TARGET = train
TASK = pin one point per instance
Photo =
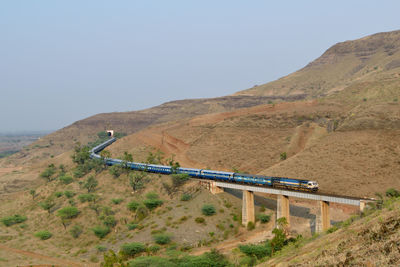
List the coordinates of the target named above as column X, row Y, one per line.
column 230, row 177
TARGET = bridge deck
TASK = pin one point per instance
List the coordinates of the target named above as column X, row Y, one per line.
column 313, row 196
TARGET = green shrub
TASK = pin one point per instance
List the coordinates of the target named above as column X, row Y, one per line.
column 391, row 192
column 141, row 212
column 116, row 170
column 79, row 172
column 251, row 226
column 132, row 249
column 208, row 210
column 264, row 218
column 69, row 194
column 154, row 249
column 76, row 231
column 65, row 179
column 332, row 229
column 283, row 155
column 200, row 220
column 48, row 173
column 117, row 201
column 68, row 212
column 132, row 226
column 152, row 195
column 58, row 194
column 101, row 248
column 109, row 221
column 101, row 231
column 133, row 205
column 162, row 239
column 259, row 251
column 86, row 198
column 43, row 235
column 186, row 197
column 152, row 203
column 14, row 219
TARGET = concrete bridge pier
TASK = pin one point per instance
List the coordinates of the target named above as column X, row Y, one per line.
column 283, row 209
column 215, row 189
column 248, row 207
column 362, row 205
column 323, row 218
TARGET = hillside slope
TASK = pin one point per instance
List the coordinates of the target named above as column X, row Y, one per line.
column 342, row 65
column 372, row 240
column 86, row 130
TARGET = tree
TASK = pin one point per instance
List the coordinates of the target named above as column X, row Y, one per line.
column 280, row 234
column 62, row 170
column 174, row 164
column 48, row 204
column 283, row 155
column 91, row 184
column 116, row 170
column 81, row 154
column 76, row 231
column 95, row 207
column 179, row 179
column 137, row 180
column 105, row 154
column 127, row 157
column 33, row 193
column 155, row 158
column 48, row 173
column 66, row 214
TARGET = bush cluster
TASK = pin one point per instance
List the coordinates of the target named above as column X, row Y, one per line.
column 43, row 235
column 14, row 219
column 186, row 197
column 208, row 210
column 162, row 239
column 101, row 231
column 264, row 218
column 132, row 249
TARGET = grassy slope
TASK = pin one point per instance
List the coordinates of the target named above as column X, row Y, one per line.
column 372, row 240
column 174, row 217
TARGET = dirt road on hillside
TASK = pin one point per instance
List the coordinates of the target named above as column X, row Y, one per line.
column 46, row 259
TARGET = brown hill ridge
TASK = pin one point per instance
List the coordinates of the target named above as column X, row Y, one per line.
column 341, row 65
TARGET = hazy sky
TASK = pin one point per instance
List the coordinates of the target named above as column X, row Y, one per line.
column 62, row 61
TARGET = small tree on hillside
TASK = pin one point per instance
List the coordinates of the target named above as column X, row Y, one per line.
column 66, row 214
column 137, row 180
column 48, row 204
column 127, row 157
column 33, row 193
column 116, row 170
column 91, row 184
column 105, row 154
column 81, row 154
column 179, row 179
column 48, row 173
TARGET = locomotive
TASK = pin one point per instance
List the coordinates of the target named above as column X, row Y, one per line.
column 231, row 177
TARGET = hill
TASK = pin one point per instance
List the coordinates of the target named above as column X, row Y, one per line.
column 344, row 64
column 86, row 130
column 344, row 133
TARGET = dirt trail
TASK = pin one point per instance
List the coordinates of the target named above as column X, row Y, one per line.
column 7, row 170
column 243, row 238
column 47, row 259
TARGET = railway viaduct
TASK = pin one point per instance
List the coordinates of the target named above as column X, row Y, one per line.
column 248, row 212
column 323, row 217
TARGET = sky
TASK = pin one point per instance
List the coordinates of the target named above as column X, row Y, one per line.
column 62, row 61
